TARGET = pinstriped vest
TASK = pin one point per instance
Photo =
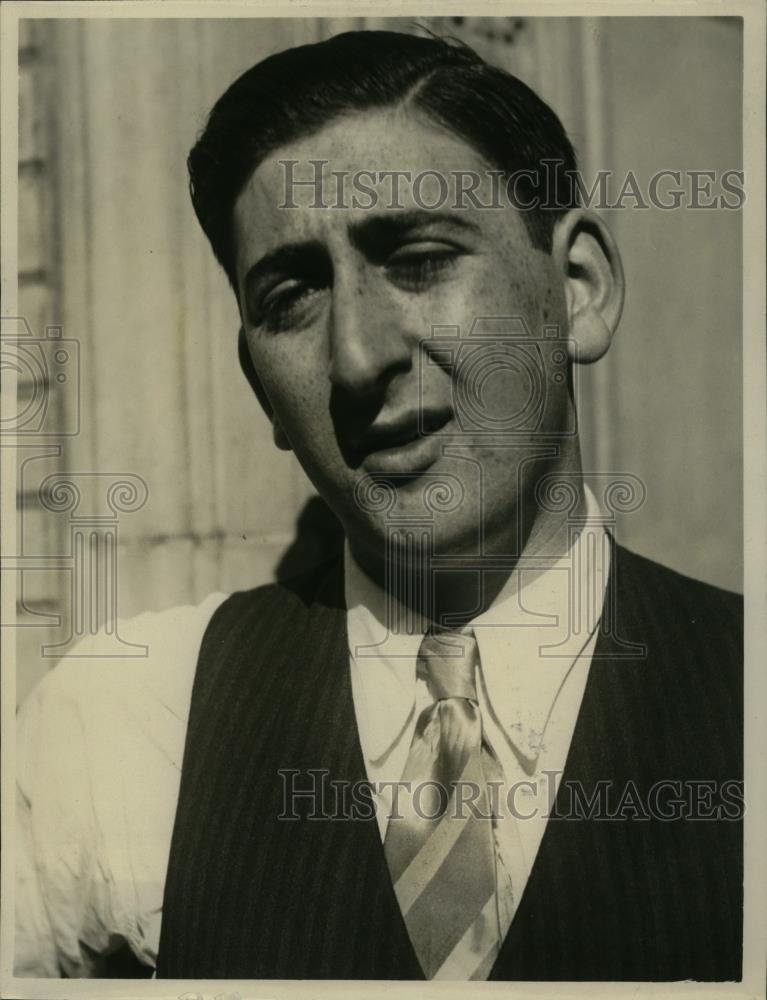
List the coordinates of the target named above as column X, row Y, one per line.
column 250, row 895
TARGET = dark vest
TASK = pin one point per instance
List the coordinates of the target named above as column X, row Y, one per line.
column 252, row 894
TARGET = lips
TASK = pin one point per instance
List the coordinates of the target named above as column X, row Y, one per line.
column 404, row 444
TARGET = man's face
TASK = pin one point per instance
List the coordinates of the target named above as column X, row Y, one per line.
column 339, row 306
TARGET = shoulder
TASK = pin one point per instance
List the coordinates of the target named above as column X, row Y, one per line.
column 689, row 635
column 285, row 603
column 669, row 598
column 673, row 653
column 135, row 678
column 100, row 722
column 100, row 744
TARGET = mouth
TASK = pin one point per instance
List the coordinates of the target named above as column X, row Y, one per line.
column 406, row 445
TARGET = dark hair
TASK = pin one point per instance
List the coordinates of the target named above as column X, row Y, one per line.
column 294, row 93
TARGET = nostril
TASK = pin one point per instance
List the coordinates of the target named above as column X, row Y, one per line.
column 354, row 408
column 351, row 413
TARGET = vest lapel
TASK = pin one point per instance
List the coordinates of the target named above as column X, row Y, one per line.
column 549, row 937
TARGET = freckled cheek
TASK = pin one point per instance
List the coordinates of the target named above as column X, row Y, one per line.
column 508, row 382
column 509, row 288
column 300, row 399
column 503, row 292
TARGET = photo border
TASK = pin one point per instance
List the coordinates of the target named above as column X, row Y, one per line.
column 755, row 498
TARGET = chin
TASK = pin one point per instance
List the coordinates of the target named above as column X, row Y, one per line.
column 418, row 540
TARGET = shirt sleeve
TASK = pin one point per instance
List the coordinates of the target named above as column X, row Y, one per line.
column 55, row 835
column 35, row 949
column 99, row 750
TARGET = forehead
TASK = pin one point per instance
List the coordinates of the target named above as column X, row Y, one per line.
column 355, row 153
column 380, row 140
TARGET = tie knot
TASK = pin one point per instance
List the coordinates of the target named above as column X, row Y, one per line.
column 448, row 660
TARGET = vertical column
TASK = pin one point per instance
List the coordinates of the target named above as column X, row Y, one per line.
column 93, row 556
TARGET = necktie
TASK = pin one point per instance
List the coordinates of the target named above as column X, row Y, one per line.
column 439, row 842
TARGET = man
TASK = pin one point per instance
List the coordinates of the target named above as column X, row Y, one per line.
column 486, row 742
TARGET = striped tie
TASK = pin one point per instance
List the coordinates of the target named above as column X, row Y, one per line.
column 439, row 842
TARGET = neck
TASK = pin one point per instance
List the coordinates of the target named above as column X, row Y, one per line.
column 454, row 588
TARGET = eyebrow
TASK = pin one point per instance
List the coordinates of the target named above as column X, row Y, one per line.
column 384, row 228
column 287, row 257
column 374, row 236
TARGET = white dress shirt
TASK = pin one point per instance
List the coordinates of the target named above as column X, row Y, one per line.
column 535, row 646
column 100, row 745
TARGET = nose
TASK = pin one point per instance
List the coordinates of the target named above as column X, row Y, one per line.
column 369, row 338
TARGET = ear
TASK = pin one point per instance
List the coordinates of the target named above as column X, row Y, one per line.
column 590, row 263
column 250, row 373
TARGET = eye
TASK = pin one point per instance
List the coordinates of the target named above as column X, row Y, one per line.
column 417, row 266
column 286, row 305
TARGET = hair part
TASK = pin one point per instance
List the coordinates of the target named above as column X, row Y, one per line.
column 295, row 93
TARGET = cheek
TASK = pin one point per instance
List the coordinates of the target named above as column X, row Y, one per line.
column 293, row 383
column 519, row 282
column 515, row 382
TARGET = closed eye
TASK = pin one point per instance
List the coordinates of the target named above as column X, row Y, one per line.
column 281, row 288
column 418, row 266
column 285, row 305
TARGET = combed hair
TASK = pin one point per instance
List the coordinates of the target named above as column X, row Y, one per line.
column 295, row 93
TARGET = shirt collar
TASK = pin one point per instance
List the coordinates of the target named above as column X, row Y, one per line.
column 384, row 638
column 529, row 639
